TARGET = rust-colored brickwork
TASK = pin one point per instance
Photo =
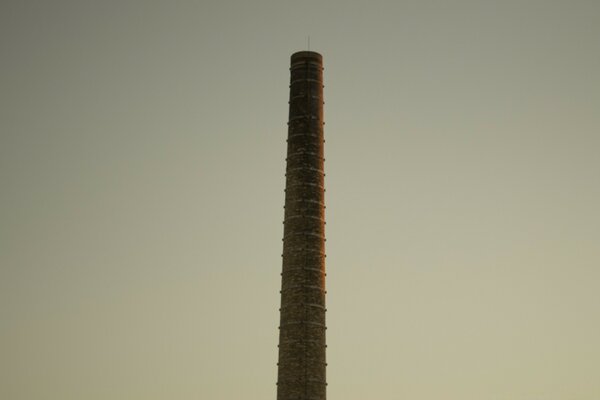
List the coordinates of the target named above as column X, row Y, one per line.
column 301, row 371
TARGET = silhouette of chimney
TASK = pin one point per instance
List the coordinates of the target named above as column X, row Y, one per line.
column 301, row 366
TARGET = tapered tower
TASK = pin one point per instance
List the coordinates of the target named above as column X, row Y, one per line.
column 301, row 366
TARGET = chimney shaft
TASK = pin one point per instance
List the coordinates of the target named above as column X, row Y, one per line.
column 301, row 367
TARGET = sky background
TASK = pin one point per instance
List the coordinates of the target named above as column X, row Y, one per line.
column 142, row 158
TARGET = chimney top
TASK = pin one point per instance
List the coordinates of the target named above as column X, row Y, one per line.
column 303, row 55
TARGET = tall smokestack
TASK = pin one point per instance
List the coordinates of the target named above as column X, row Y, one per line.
column 301, row 367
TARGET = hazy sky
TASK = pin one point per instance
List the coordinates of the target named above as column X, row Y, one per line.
column 142, row 149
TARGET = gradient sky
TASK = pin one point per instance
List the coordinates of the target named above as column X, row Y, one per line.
column 142, row 149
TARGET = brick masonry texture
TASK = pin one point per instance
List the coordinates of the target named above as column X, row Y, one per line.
column 301, row 366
